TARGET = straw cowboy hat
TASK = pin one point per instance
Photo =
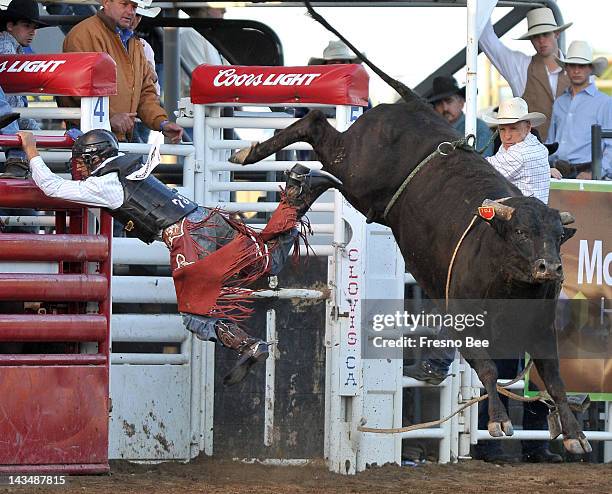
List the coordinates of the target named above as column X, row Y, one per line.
column 514, row 110
column 146, row 11
column 18, row 10
column 542, row 21
column 443, row 87
column 335, row 50
column 580, row 53
column 143, row 8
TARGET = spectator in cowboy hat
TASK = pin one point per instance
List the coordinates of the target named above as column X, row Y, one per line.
column 15, row 159
column 448, row 99
column 18, row 25
column 576, row 110
column 141, row 132
column 538, row 79
column 136, row 94
column 522, row 159
column 336, row 52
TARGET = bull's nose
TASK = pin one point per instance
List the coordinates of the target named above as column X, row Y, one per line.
column 546, row 270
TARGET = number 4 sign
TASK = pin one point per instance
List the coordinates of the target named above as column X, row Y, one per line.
column 94, row 113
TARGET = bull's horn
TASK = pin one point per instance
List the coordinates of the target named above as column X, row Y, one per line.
column 501, row 210
column 566, row 218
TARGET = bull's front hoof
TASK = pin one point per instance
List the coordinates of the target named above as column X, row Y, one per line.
column 498, row 429
column 240, row 156
column 578, row 446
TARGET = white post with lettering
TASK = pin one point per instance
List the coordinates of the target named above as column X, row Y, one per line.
column 366, row 265
column 95, row 113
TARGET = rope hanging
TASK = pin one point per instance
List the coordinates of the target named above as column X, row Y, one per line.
column 543, row 397
column 467, row 143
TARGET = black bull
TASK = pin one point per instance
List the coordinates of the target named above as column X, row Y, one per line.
column 515, row 255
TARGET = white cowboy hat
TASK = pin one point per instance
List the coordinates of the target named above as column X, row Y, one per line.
column 541, row 21
column 514, row 110
column 147, row 12
column 580, row 53
column 143, row 8
column 335, row 50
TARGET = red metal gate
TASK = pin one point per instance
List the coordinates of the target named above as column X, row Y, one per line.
column 54, row 404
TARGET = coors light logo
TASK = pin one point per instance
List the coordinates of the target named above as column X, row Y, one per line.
column 228, row 77
column 31, row 66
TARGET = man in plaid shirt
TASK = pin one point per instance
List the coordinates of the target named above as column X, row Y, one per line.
column 521, row 158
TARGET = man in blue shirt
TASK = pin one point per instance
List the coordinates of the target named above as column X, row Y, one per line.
column 448, row 99
column 575, row 111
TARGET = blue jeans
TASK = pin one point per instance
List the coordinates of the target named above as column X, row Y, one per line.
column 5, row 108
column 11, row 128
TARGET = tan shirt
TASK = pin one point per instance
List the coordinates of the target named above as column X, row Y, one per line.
column 135, row 80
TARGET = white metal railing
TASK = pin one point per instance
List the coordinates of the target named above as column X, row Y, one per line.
column 444, row 432
column 253, row 121
column 458, row 434
column 49, row 112
column 476, row 434
column 139, row 328
column 264, row 166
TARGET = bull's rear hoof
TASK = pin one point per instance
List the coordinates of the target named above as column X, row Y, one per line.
column 498, row 429
column 240, row 156
column 578, row 446
column 507, row 428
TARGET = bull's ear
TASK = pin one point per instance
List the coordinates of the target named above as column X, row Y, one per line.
column 499, row 225
column 568, row 233
column 494, row 221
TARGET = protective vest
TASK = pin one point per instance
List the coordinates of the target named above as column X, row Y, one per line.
column 538, row 93
column 149, row 206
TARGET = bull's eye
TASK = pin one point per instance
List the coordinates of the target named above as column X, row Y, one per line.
column 520, row 235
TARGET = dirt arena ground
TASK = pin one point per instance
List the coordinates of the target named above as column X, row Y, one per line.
column 224, row 477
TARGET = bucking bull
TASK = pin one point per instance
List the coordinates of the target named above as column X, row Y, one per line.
column 515, row 254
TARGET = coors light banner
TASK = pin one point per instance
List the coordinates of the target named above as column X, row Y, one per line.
column 323, row 84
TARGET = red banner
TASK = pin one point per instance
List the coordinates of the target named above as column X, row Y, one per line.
column 323, row 84
column 63, row 74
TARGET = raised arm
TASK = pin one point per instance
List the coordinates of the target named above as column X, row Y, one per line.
column 512, row 65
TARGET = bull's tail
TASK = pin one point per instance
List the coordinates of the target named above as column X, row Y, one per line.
column 404, row 91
